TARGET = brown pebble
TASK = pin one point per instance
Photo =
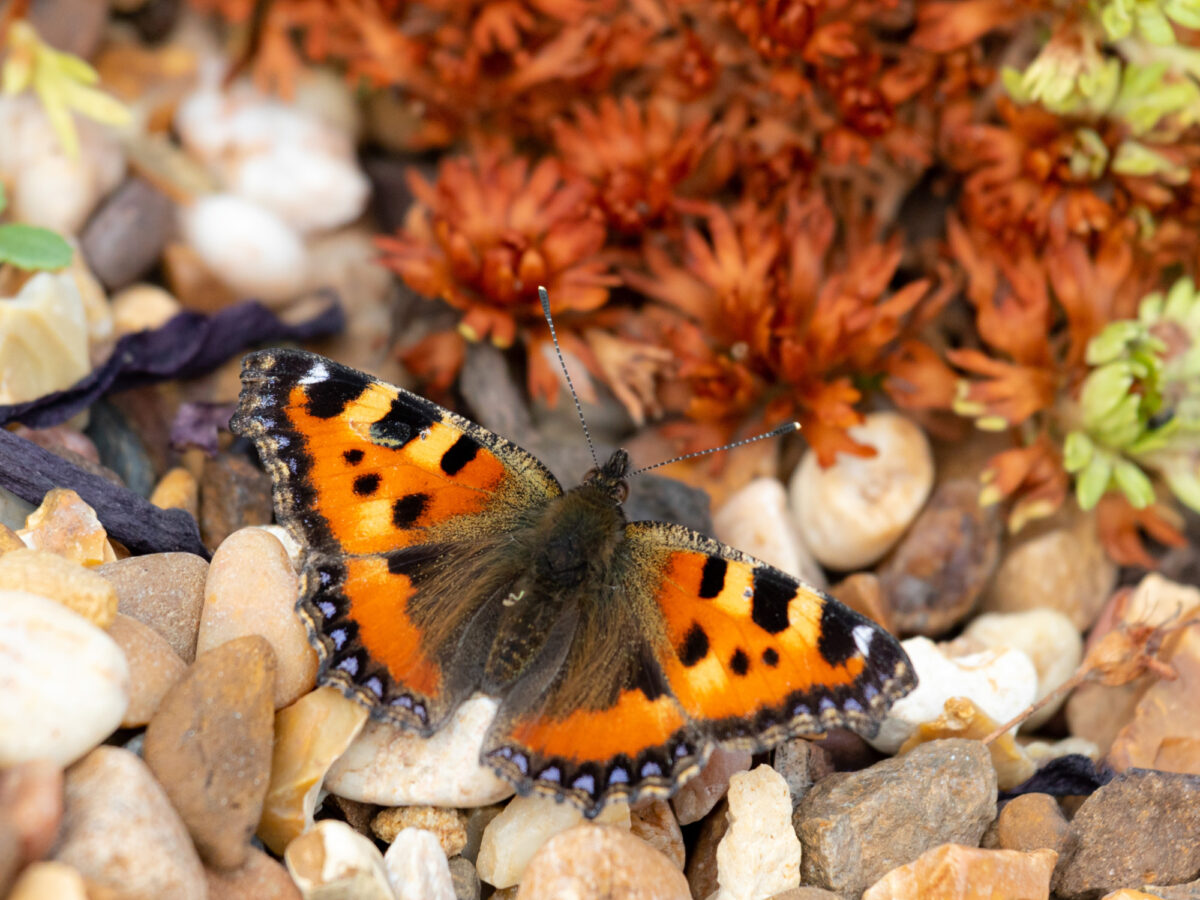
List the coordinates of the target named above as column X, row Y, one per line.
column 177, row 489
column 449, row 826
column 233, row 494
column 259, row 878
column 65, row 525
column 861, row 592
column 1029, row 822
column 77, row 588
column 955, row 872
column 601, row 861
column 701, row 868
column 164, row 591
column 210, row 744
column 31, row 806
column 655, row 824
column 124, row 237
column 9, row 540
column 153, row 667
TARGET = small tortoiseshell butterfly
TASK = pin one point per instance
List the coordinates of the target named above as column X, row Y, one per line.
column 442, row 560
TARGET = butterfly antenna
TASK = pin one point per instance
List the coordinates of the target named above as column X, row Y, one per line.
column 776, row 432
column 545, row 298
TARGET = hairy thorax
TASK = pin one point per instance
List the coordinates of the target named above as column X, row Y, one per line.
column 576, row 538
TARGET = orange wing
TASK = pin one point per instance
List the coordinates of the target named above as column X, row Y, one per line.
column 399, row 504
column 755, row 656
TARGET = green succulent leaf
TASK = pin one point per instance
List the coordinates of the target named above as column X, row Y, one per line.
column 1077, row 451
column 1134, row 484
column 1093, row 481
column 28, row 247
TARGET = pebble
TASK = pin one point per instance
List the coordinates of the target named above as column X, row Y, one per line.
column 961, row 718
column 153, row 668
column 65, row 525
column 47, row 186
column 449, row 826
column 759, row 856
column 935, row 575
column 142, row 307
column 805, row 892
column 417, row 867
column 122, row 834
column 756, row 520
column 252, row 589
column 512, row 838
column 335, row 861
column 701, row 865
column 856, row 827
column 8, row 538
column 394, row 767
column 465, row 879
column 1001, row 683
column 309, row 735
column 597, row 860
column 256, row 253
column 31, row 807
column 1029, row 822
column 1098, row 712
column 1141, row 827
column 655, row 824
column 164, row 591
column 802, row 764
column 955, row 872
column 78, row 589
column 851, row 513
column 123, row 449
column 1189, row 891
column 1055, row 563
column 861, row 592
column 234, row 493
column 696, row 799
column 66, row 681
column 1047, row 637
column 209, row 744
column 1159, row 601
column 13, row 511
column 478, row 819
column 125, row 236
column 259, row 878
column 43, row 338
column 50, row 881
column 191, row 281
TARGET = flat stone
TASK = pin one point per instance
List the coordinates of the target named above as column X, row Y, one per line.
column 153, row 667
column 933, row 578
column 592, row 860
column 856, row 827
column 802, row 764
column 696, row 799
column 334, row 860
column 122, row 834
column 31, row 807
column 417, row 867
column 77, row 588
column 164, row 591
column 258, row 878
column 233, row 494
column 393, row 767
column 512, row 838
column 449, row 826
column 1029, row 822
column 655, row 824
column 955, row 872
column 309, row 735
column 126, row 234
column 252, row 588
column 66, row 682
column 210, row 742
column 1141, row 827
column 759, row 856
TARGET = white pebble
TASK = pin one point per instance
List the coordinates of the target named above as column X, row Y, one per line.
column 334, row 860
column 759, row 856
column 417, row 867
column 756, row 521
column 512, row 838
column 66, row 682
column 43, row 338
column 850, row 514
column 393, row 767
column 1047, row 637
column 247, row 246
column 1000, row 682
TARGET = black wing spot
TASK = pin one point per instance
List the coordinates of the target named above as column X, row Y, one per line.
column 366, row 485
column 770, row 657
column 712, row 580
column 772, row 594
column 739, row 662
column 329, row 398
column 695, row 646
column 836, row 642
column 459, row 455
column 407, row 509
column 648, row 678
column 403, row 422
column 353, row 457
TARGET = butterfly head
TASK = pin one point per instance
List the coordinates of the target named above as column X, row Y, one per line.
column 610, row 477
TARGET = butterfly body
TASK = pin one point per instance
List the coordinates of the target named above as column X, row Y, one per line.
column 442, row 560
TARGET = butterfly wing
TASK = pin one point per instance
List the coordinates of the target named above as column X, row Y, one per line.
column 753, row 655
column 400, row 503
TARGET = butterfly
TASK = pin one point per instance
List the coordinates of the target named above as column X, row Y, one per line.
column 442, row 560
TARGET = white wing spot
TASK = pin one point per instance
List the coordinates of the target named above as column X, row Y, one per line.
column 316, row 374
column 863, row 635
